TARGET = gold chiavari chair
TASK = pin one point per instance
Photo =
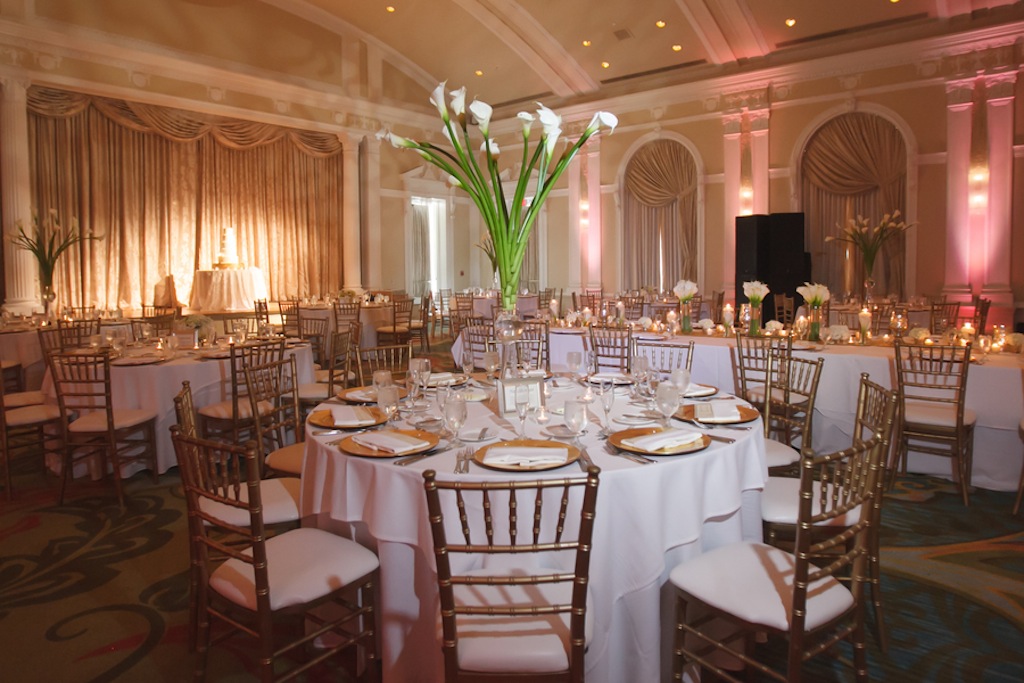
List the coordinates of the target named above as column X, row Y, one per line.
column 314, row 330
column 478, row 339
column 933, row 417
column 394, row 358
column 232, row 418
column 27, row 425
column 751, row 590
column 634, row 307
column 784, row 309
column 337, row 375
column 291, row 317
column 346, row 312
column 612, row 347
column 274, row 401
column 266, row 588
column 419, row 324
column 664, row 358
column 523, row 618
column 943, row 316
column 261, row 311
column 75, row 333
column 90, row 424
column 780, row 500
column 397, row 331
column 535, row 347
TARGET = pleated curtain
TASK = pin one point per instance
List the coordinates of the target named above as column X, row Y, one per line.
column 659, row 240
column 158, row 184
column 855, row 165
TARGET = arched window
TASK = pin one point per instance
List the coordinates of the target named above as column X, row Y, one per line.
column 659, row 208
column 854, row 165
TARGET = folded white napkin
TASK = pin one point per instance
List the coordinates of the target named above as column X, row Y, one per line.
column 667, row 439
column 440, row 378
column 369, row 394
column 609, row 377
column 536, row 373
column 717, row 411
column 693, row 389
column 526, row 456
column 351, row 416
column 390, row 442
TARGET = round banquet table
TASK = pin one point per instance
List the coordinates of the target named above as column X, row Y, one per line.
column 153, row 387
column 649, row 518
column 371, row 316
column 232, row 289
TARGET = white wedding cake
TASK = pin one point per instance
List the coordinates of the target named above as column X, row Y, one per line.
column 227, row 254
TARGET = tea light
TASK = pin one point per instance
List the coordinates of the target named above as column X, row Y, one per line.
column 728, row 315
column 621, row 309
column 967, row 330
column 865, row 319
column 553, row 307
column 928, row 342
column 670, row 317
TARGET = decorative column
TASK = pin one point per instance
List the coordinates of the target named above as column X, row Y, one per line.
column 959, row 110
column 592, row 176
column 351, row 257
column 577, row 227
column 732, row 168
column 759, row 119
column 20, row 268
column 370, row 231
column 999, row 95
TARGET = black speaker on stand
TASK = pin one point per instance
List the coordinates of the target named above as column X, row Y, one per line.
column 771, row 249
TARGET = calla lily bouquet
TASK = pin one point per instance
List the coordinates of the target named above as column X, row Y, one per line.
column 814, row 294
column 870, row 239
column 755, row 291
column 685, row 290
column 509, row 221
column 486, row 245
column 48, row 241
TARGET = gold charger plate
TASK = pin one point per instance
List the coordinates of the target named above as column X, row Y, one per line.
column 746, row 415
column 349, row 445
column 478, row 456
column 702, row 390
column 352, row 395
column 325, row 419
column 617, row 438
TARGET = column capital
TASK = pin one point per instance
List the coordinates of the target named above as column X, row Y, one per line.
column 1000, row 86
column 733, row 123
column 960, row 94
column 759, row 120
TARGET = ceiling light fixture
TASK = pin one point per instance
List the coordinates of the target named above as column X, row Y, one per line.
column 677, row 48
column 791, row 22
column 659, row 23
column 605, row 65
column 479, row 72
column 390, row 9
column 586, row 43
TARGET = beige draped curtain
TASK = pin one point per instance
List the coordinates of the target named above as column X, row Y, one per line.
column 659, row 241
column 160, row 183
column 855, row 165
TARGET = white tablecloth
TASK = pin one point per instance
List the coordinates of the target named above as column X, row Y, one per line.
column 22, row 345
column 649, row 518
column 227, row 290
column 995, row 390
column 153, row 387
column 371, row 316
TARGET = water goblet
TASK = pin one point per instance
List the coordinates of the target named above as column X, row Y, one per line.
column 491, row 362
column 522, row 407
column 240, row 328
column 681, row 378
column 666, row 397
column 424, row 376
column 387, row 400
column 455, row 416
column 985, row 346
column 468, row 361
column 607, row 401
column 576, row 419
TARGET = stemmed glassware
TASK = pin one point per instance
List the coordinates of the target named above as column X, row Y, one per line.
column 423, row 377
column 381, row 378
column 588, row 394
column 522, row 407
column 666, row 397
column 984, row 343
column 468, row 362
column 455, row 416
column 491, row 362
column 576, row 419
column 640, row 370
column 607, row 401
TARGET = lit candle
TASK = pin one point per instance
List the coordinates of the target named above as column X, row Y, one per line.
column 727, row 315
column 621, row 308
column 553, row 307
column 865, row 323
column 967, row 330
column 670, row 316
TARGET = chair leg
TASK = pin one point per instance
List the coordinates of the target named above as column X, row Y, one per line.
column 875, row 584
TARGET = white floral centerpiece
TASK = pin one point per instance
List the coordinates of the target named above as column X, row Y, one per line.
column 201, row 326
column 509, row 221
column 869, row 240
column 755, row 291
column 706, row 324
column 919, row 333
column 685, row 290
column 1014, row 342
column 815, row 295
column 839, row 333
column 645, row 323
column 773, row 327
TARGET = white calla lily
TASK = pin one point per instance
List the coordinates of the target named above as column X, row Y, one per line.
column 548, row 119
column 550, row 141
column 437, row 99
column 602, row 119
column 482, row 113
column 491, row 146
column 527, row 119
column 459, row 101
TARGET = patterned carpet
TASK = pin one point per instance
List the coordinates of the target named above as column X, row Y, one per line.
column 92, row 593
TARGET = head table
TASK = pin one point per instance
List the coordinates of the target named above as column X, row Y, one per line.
column 995, row 391
column 649, row 517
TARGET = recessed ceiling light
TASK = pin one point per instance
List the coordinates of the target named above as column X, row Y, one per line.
column 478, row 72
column 791, row 22
column 659, row 23
column 677, row 48
column 894, row 1
column 390, row 8
column 586, row 43
column 605, row 65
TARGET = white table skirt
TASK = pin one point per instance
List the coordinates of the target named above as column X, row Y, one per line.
column 153, row 387
column 227, row 290
column 995, row 391
column 649, row 517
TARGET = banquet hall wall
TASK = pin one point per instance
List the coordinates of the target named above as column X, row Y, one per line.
column 918, row 94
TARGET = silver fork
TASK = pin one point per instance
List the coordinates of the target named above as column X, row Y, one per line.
column 461, row 462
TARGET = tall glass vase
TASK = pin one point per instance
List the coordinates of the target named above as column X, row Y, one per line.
column 685, row 319
column 507, row 329
column 814, row 327
column 48, row 296
column 754, row 329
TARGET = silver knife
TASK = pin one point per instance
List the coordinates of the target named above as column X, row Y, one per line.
column 585, row 462
column 720, row 439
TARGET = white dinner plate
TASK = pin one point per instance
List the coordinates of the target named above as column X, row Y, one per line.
column 473, row 435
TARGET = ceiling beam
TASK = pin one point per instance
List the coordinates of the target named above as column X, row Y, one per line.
column 525, row 36
column 708, row 30
column 742, row 32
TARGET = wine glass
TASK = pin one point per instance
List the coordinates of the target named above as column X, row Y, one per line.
column 576, row 419
column 413, row 378
column 522, row 407
column 468, row 362
column 666, row 397
column 984, row 345
column 491, row 362
column 641, row 374
column 387, row 400
column 455, row 416
column 607, row 401
column 424, row 375
column 588, row 394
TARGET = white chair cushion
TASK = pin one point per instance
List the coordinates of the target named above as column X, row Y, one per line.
column 935, row 414
column 96, row 421
column 313, row 392
column 416, row 325
column 324, row 376
column 518, row 644
column 19, row 399
column 30, row 415
column 392, row 329
column 778, row 454
column 222, row 410
column 288, row 459
column 757, row 395
column 280, row 499
column 303, row 565
column 780, row 502
column 754, row 582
